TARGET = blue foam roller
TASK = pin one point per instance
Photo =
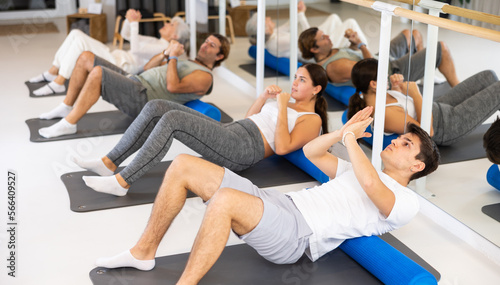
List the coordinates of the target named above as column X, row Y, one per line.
column 493, row 176
column 205, row 108
column 388, row 264
column 340, row 93
column 300, row 160
column 282, row 64
column 387, row 138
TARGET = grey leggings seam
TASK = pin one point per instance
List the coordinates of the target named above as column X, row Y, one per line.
column 118, row 160
column 173, row 135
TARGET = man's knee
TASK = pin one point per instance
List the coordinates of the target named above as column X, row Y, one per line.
column 86, row 60
column 95, row 74
column 184, row 165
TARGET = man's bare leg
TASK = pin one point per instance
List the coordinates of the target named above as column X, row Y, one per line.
column 79, row 76
column 84, row 65
column 228, row 209
column 186, row 172
column 447, row 67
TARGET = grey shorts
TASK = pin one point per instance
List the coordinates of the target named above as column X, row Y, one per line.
column 121, row 88
column 400, row 59
column 282, row 234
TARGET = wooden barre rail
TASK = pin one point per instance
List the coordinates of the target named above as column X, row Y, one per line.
column 463, row 12
column 436, row 21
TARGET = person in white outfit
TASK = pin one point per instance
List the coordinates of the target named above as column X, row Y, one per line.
column 278, row 40
column 142, row 49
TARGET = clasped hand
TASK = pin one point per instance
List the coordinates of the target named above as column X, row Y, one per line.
column 358, row 123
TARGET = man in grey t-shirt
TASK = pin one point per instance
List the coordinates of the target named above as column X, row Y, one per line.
column 165, row 77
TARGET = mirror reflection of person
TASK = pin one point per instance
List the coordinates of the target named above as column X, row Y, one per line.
column 338, row 61
column 278, row 39
column 282, row 227
column 142, row 49
column 454, row 114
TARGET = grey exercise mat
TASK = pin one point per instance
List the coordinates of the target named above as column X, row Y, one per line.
column 240, row 264
column 269, row 172
column 493, row 211
column 94, row 124
column 90, row 125
column 34, row 86
column 471, row 147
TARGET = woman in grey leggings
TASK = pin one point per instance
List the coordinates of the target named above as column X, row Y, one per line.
column 277, row 126
column 455, row 114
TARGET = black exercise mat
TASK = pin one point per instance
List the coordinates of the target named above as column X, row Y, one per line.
column 471, row 147
column 333, row 104
column 268, row 71
column 240, row 264
column 225, row 118
column 34, row 86
column 493, row 211
column 90, row 125
column 272, row 171
column 94, row 124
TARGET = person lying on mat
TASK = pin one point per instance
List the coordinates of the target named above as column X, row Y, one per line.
column 281, row 227
column 455, row 114
column 338, row 62
column 179, row 81
column 142, row 48
column 278, row 40
column 274, row 126
column 491, row 143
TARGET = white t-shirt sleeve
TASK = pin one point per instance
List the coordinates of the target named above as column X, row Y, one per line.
column 342, row 166
column 405, row 208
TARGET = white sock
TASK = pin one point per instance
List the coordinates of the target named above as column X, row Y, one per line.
column 61, row 111
column 58, row 129
column 106, row 184
column 49, row 89
column 45, row 76
column 94, row 165
column 125, row 259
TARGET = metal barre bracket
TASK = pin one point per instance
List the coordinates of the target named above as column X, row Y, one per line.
column 430, row 4
column 384, row 7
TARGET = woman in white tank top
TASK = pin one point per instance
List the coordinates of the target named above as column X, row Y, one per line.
column 286, row 126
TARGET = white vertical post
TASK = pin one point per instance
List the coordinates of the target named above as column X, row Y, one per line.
column 293, row 39
column 261, row 31
column 383, row 66
column 191, row 16
column 222, row 17
column 430, row 71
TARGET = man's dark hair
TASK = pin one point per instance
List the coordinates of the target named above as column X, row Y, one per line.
column 491, row 142
column 429, row 153
column 307, row 42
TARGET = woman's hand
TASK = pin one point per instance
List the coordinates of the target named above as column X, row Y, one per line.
column 397, row 82
column 271, row 91
column 133, row 15
column 283, row 99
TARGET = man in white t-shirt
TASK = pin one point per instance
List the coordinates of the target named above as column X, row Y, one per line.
column 357, row 201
